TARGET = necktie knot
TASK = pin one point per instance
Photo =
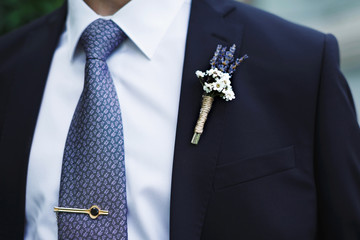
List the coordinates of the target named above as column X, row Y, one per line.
column 100, row 38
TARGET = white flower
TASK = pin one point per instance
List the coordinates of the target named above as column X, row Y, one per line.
column 210, row 72
column 226, row 78
column 215, row 73
column 226, row 88
column 226, row 82
column 218, row 86
column 219, row 73
column 229, row 95
column 200, row 74
column 208, row 87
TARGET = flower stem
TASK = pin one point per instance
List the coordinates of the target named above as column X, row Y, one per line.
column 204, row 111
column 195, row 139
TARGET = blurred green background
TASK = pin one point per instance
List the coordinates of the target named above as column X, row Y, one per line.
column 15, row 13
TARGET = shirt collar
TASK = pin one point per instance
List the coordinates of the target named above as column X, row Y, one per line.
column 144, row 22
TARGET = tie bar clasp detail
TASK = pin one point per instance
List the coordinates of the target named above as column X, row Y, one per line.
column 94, row 211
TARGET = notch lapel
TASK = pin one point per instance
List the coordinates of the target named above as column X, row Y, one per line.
column 28, row 82
column 194, row 166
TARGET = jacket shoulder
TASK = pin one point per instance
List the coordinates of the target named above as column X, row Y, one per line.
column 272, row 39
column 268, row 24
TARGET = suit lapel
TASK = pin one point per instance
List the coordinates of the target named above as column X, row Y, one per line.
column 27, row 90
column 194, row 166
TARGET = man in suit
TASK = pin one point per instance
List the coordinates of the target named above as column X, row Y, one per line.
column 281, row 161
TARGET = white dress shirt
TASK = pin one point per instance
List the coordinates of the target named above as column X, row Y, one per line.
column 146, row 70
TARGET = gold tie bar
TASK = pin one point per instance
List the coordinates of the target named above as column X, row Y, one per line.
column 94, row 211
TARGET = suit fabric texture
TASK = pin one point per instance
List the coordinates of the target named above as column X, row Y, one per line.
column 281, row 161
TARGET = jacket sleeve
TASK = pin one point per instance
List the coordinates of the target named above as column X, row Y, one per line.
column 337, row 152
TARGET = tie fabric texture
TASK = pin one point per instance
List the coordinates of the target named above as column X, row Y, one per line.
column 93, row 168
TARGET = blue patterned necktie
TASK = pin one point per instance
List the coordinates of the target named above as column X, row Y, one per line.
column 93, row 169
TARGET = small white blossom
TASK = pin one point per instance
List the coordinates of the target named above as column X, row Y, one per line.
column 227, row 85
column 215, row 73
column 226, row 88
column 229, row 95
column 208, row 87
column 218, row 86
column 226, row 78
column 210, row 72
column 200, row 74
column 227, row 82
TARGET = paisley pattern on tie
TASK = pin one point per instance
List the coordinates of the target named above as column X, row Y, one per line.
column 93, row 170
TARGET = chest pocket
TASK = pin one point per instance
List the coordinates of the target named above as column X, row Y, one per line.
column 248, row 169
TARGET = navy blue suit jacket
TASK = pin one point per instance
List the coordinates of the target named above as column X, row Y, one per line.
column 281, row 161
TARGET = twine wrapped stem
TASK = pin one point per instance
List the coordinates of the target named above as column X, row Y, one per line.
column 207, row 102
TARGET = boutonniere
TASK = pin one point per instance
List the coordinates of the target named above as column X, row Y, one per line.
column 216, row 82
